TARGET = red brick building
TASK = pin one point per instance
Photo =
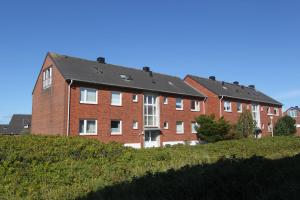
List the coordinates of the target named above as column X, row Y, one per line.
column 139, row 108
column 228, row 100
column 294, row 112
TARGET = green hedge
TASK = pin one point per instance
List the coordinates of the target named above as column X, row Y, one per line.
column 37, row 167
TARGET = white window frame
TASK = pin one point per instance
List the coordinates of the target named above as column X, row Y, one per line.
column 85, row 95
column 241, row 107
column 116, row 133
column 167, row 125
column 195, row 124
column 85, row 127
column 155, row 106
column 182, row 127
column 165, row 100
column 181, row 108
column 135, row 125
column 269, row 112
column 293, row 113
column 47, row 78
column 120, row 98
column 228, row 103
column 135, row 98
column 197, row 105
column 276, row 111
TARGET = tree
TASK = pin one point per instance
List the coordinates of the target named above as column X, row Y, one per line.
column 211, row 130
column 245, row 125
column 285, row 126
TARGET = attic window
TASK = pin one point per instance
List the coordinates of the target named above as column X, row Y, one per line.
column 126, row 77
column 47, row 78
column 224, row 87
column 170, row 83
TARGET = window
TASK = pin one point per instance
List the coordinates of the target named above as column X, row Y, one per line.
column 116, row 98
column 276, row 111
column 47, row 78
column 88, row 96
column 270, row 128
column 166, row 125
column 194, row 127
column 179, row 104
column 227, row 106
column 165, row 100
column 292, row 113
column 195, row 105
column 116, row 127
column 151, row 117
column 135, row 98
column 256, row 115
column 262, row 126
column 269, row 111
column 179, row 127
column 87, row 127
column 135, row 125
column 239, row 107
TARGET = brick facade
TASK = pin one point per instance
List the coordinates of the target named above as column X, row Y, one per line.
column 297, row 118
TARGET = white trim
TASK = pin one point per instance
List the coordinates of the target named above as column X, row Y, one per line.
column 133, row 145
column 197, row 106
column 298, row 125
column 165, row 100
column 135, row 125
column 241, row 104
column 120, row 98
column 230, row 106
column 182, row 127
column 135, row 99
column 196, row 124
column 173, row 143
column 85, row 95
column 180, row 103
column 85, row 127
column 166, row 127
column 116, row 133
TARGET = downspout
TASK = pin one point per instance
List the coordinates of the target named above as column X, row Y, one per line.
column 221, row 106
column 69, row 99
column 204, row 107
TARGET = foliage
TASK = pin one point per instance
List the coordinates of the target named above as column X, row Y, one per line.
column 246, row 125
column 285, row 126
column 212, row 130
column 39, row 167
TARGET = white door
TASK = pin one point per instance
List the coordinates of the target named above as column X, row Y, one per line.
column 151, row 139
column 256, row 114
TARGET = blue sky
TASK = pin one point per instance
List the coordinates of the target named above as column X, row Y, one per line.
column 251, row 41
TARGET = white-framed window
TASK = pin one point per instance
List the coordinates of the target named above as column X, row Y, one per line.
column 116, row 127
column 151, row 113
column 195, row 105
column 87, row 127
column 270, row 128
column 239, row 107
column 166, row 125
column 179, row 104
column 179, row 127
column 292, row 113
column 165, row 100
column 256, row 115
column 194, row 127
column 135, row 98
column 227, row 106
column 116, row 98
column 269, row 111
column 88, row 95
column 276, row 111
column 135, row 125
column 47, row 78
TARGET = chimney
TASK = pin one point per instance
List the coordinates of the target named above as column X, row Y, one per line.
column 212, row 78
column 146, row 69
column 252, row 86
column 101, row 60
column 236, row 83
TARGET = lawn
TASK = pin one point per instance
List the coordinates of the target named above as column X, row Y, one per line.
column 38, row 167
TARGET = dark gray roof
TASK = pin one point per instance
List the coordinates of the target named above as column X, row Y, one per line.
column 107, row 74
column 222, row 88
column 3, row 128
column 294, row 108
column 17, row 125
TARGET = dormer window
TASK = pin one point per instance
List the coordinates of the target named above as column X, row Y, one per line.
column 47, row 78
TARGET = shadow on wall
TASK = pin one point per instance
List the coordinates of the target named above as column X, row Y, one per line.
column 253, row 178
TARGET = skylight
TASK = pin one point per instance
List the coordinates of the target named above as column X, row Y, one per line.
column 170, row 83
column 126, row 77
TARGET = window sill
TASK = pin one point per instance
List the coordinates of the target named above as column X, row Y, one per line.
column 115, row 133
column 228, row 111
column 195, row 110
column 180, row 133
column 87, row 134
column 91, row 103
column 180, row 109
column 117, row 105
column 239, row 111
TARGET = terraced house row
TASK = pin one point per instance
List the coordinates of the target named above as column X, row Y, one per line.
column 140, row 108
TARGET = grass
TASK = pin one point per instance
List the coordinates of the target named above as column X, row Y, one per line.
column 38, row 167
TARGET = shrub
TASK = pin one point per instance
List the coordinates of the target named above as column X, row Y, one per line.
column 211, row 130
column 285, row 126
column 246, row 125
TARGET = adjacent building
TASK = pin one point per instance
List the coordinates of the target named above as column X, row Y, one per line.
column 229, row 100
column 19, row 124
column 294, row 112
column 137, row 107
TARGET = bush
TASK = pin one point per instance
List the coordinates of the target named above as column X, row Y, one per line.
column 246, row 125
column 285, row 126
column 211, row 130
